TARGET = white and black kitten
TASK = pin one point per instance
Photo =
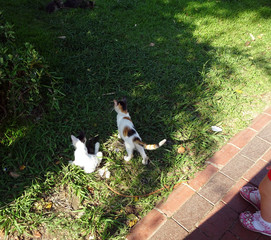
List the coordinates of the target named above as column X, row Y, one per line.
column 89, row 162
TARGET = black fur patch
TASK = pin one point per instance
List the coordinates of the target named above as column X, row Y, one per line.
column 131, row 132
column 90, row 144
column 82, row 137
column 136, row 139
column 123, row 105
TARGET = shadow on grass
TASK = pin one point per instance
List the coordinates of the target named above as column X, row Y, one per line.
column 145, row 51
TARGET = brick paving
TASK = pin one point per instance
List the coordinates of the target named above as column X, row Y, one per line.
column 207, row 207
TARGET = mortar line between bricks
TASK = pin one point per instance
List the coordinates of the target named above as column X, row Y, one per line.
column 234, row 145
column 248, row 158
column 215, row 165
column 248, row 181
column 263, row 139
column 266, row 113
column 157, row 229
column 263, row 125
column 206, row 198
column 263, row 153
column 264, row 160
column 255, row 161
column 254, row 164
column 176, row 221
column 254, row 130
column 194, row 190
column 227, row 175
column 160, row 211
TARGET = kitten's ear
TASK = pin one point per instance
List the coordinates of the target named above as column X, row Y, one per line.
column 115, row 102
column 124, row 99
column 74, row 140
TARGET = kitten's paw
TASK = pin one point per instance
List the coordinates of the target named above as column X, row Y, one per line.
column 99, row 154
column 127, row 158
column 145, row 161
column 89, row 169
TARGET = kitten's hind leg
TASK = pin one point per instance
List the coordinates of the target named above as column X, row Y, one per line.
column 141, row 150
column 130, row 150
column 100, row 157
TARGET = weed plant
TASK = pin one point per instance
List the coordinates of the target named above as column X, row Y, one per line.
column 184, row 66
column 26, row 83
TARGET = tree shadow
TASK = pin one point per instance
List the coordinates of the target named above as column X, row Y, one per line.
column 145, row 51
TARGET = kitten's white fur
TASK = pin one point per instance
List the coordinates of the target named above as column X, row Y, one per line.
column 89, row 162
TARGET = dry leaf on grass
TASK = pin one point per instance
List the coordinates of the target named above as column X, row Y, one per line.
column 22, row 167
column 181, row 150
column 49, row 205
column 132, row 220
column 91, row 190
column 2, row 234
column 36, row 234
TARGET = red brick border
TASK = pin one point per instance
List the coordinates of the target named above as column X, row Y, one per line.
column 260, row 122
column 268, row 111
column 202, row 177
column 226, row 153
column 175, row 200
column 243, row 137
column 147, row 226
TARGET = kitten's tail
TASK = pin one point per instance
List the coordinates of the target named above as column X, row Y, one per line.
column 149, row 146
column 97, row 146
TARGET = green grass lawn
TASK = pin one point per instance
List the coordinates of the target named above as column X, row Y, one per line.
column 184, row 66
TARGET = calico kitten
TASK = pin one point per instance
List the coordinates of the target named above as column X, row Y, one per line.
column 89, row 162
column 128, row 133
